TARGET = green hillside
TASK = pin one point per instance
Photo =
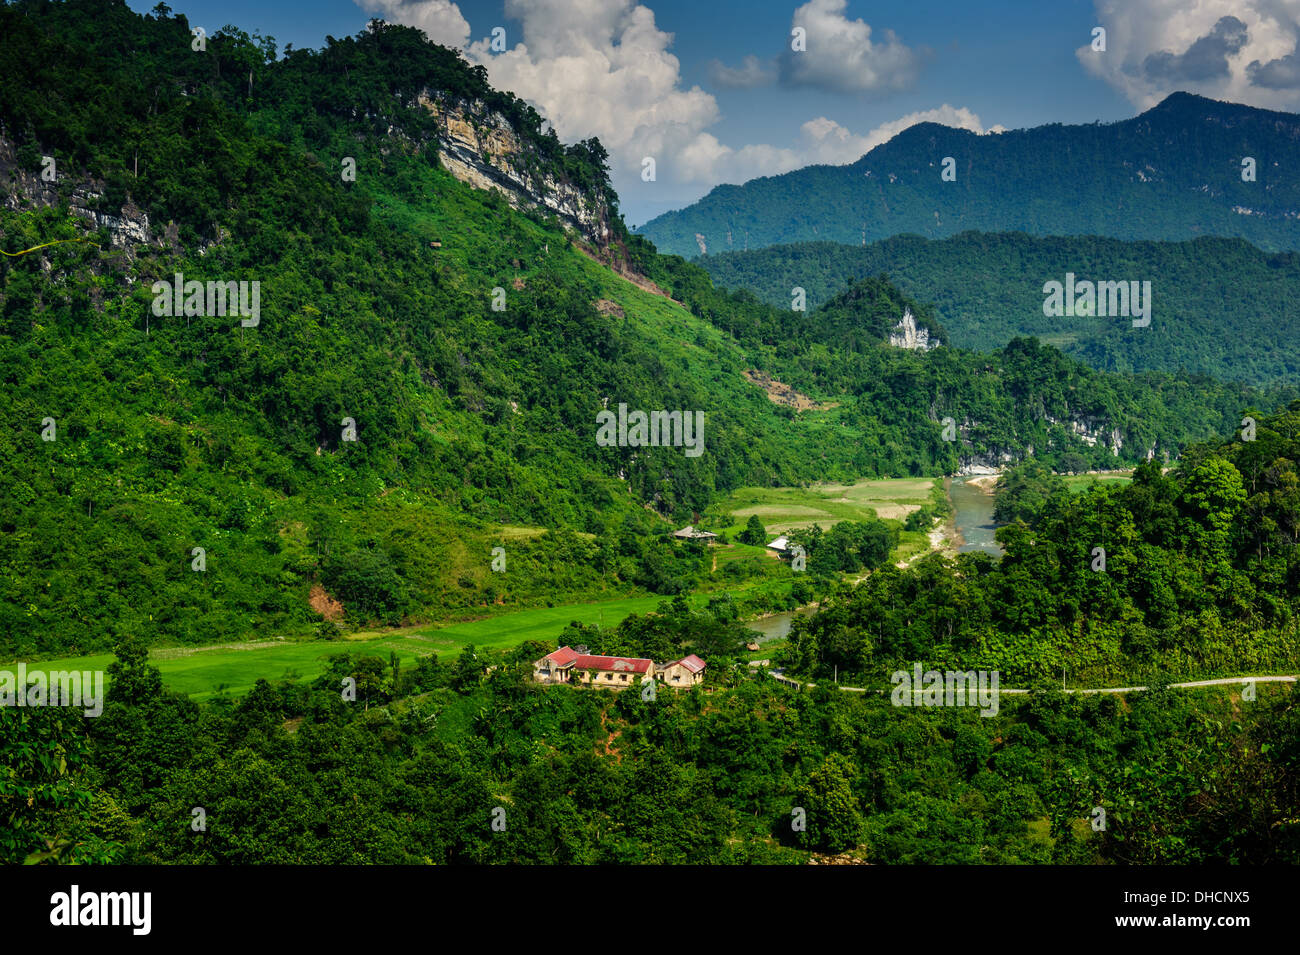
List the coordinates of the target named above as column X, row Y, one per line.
column 1220, row 307
column 239, row 511
column 188, row 479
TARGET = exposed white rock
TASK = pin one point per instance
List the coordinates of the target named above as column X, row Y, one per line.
column 906, row 335
column 481, row 148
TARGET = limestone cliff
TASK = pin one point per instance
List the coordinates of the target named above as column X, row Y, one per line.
column 22, row 188
column 906, row 334
column 481, row 148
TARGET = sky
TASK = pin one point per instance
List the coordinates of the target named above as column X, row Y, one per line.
column 714, row 91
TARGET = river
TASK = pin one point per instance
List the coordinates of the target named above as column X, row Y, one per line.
column 777, row 626
column 973, row 516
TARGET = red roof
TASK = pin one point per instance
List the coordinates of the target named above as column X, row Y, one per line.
column 563, row 656
column 612, row 664
column 692, row 663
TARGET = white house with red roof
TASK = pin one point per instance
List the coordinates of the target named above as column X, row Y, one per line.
column 567, row 665
column 688, row 671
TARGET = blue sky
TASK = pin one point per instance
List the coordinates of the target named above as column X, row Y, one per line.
column 713, row 93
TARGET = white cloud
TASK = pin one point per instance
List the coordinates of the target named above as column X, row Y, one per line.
column 441, row 20
column 820, row 141
column 751, row 73
column 1244, row 51
column 841, row 56
column 602, row 68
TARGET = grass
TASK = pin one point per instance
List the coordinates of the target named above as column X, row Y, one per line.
column 783, row 509
column 1078, row 483
column 911, row 544
column 766, row 650
column 204, row 672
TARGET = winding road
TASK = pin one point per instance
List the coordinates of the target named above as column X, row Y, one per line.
column 780, row 677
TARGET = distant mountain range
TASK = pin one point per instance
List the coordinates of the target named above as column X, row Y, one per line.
column 1219, row 307
column 1174, row 172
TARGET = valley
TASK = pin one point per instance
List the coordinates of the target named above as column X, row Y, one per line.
column 339, row 392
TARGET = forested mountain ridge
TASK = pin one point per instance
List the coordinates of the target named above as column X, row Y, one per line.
column 190, row 477
column 1219, row 307
column 1173, row 172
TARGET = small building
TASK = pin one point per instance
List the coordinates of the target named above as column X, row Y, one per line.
column 567, row 665
column 556, row 666
column 688, row 671
column 690, row 533
column 780, row 545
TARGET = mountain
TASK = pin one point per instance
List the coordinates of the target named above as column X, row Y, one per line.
column 443, row 301
column 1173, row 172
column 1219, row 307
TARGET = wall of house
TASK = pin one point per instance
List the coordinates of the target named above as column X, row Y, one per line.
column 679, row 676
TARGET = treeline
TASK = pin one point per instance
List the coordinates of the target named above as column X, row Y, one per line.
column 1190, row 574
column 444, row 763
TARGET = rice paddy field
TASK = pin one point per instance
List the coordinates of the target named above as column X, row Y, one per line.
column 232, row 669
column 796, row 508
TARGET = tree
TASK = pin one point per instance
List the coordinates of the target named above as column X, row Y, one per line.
column 1022, row 493
column 468, row 670
column 1072, row 462
column 833, row 823
column 754, row 533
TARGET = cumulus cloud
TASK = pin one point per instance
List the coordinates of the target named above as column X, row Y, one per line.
column 751, row 73
column 1245, row 51
column 841, row 56
column 603, row 68
column 1206, row 59
column 1280, row 74
column 820, row 141
column 441, row 20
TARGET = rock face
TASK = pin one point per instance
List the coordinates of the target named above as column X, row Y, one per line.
column 23, row 189
column 1092, row 432
column 906, row 335
column 481, row 148
column 994, row 460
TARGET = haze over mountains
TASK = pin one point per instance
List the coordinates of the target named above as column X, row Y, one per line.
column 1173, row 172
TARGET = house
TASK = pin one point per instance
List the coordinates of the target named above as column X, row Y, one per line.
column 780, row 545
column 555, row 667
column 691, row 534
column 567, row 665
column 688, row 671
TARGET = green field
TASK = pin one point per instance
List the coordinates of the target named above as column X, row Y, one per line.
column 783, row 509
column 204, row 672
column 1078, row 483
